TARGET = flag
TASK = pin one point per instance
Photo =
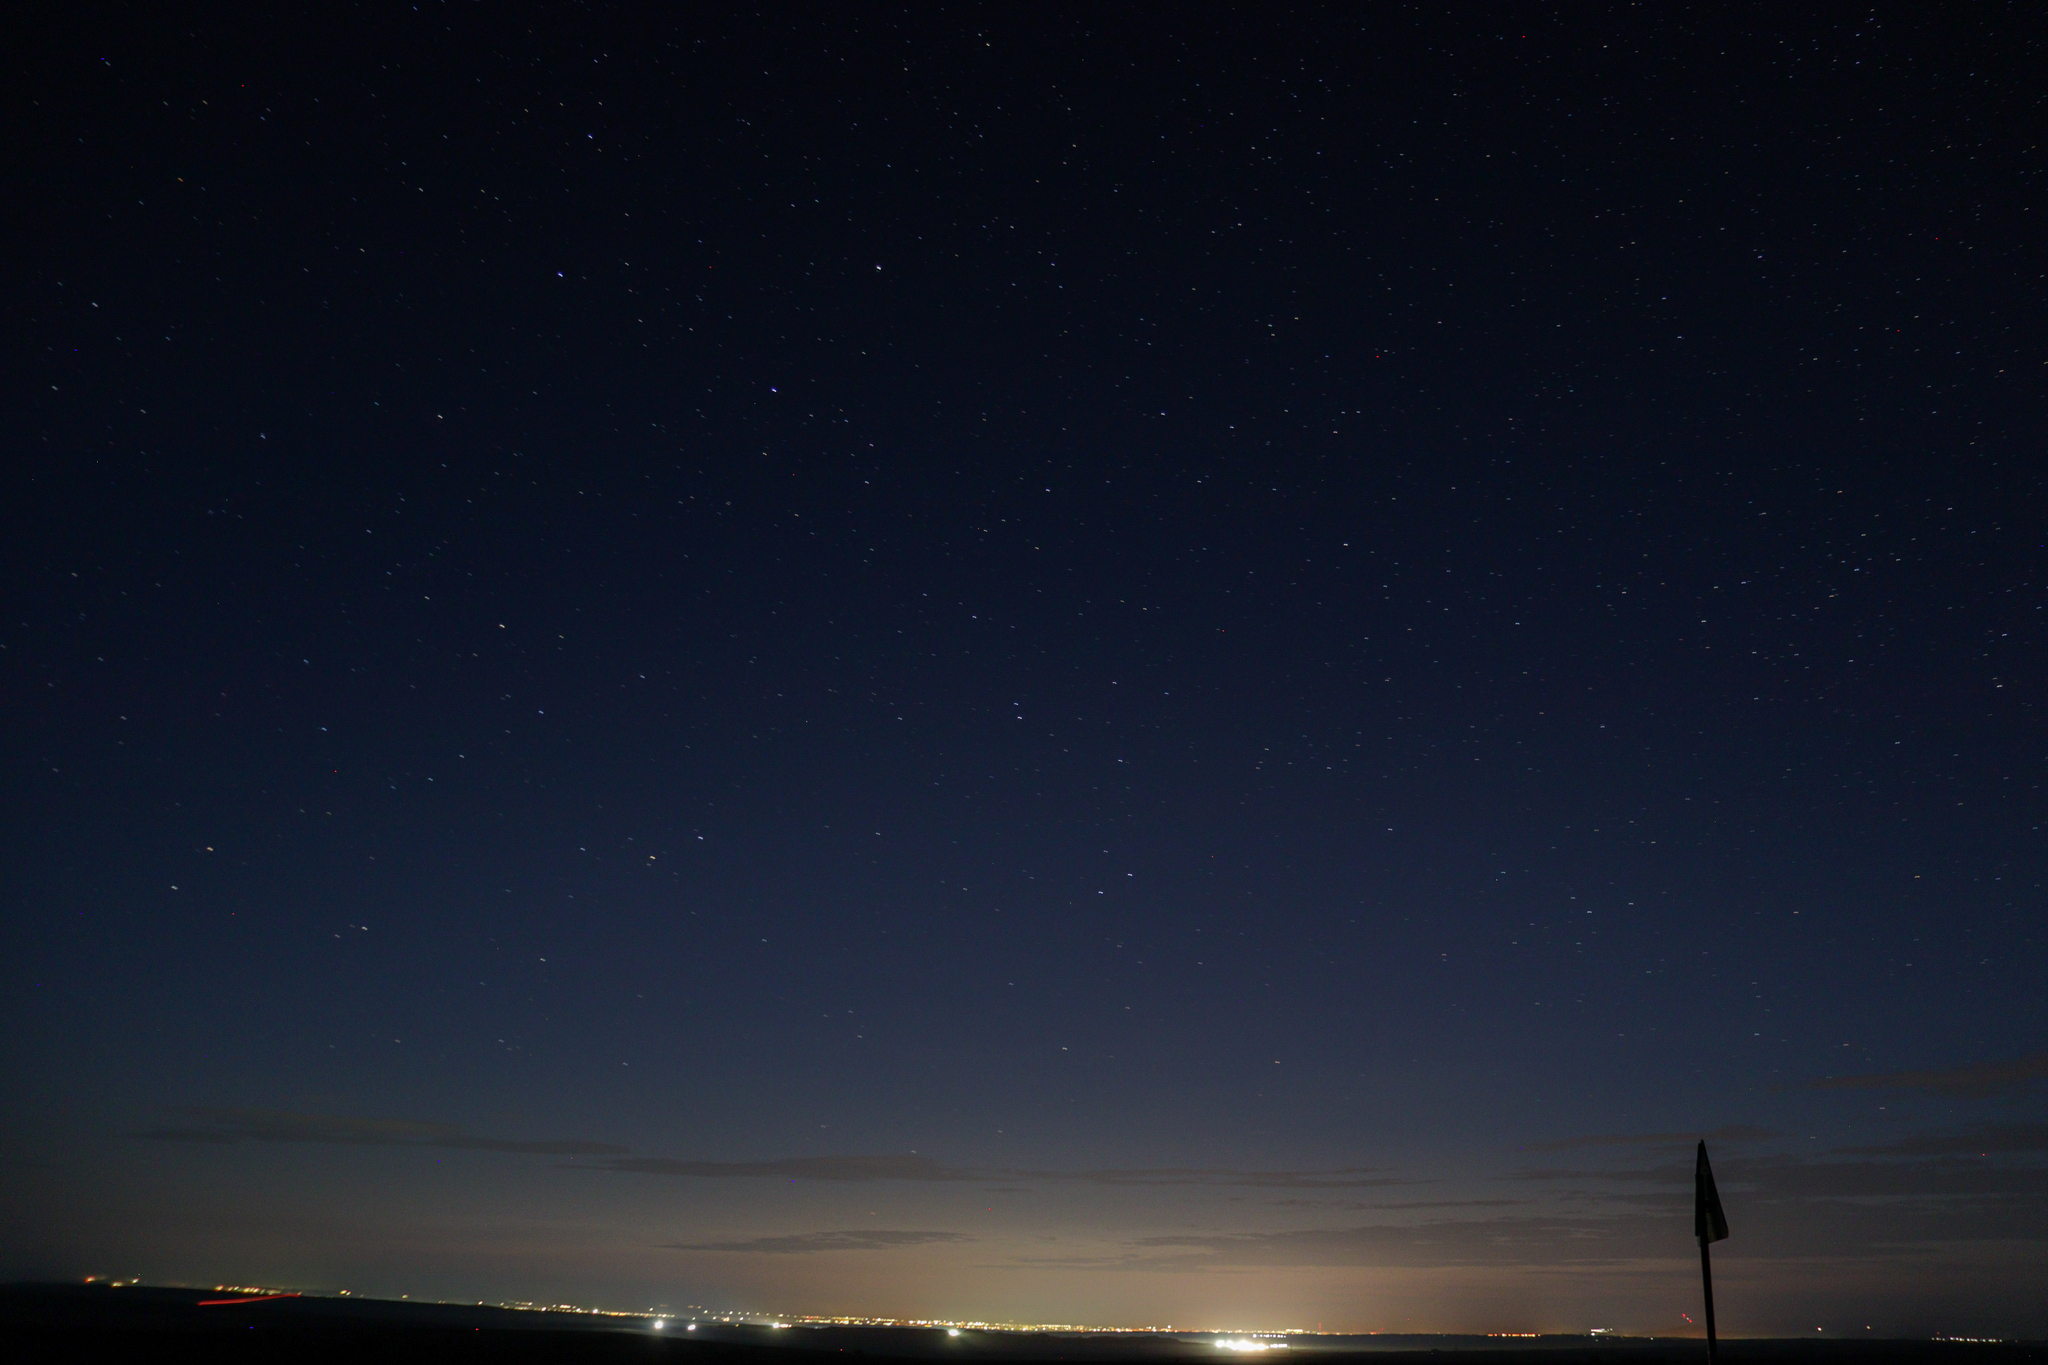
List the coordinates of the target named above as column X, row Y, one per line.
column 1709, row 1224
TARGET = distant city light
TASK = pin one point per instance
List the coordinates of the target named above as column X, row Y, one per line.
column 1247, row 1344
column 952, row 1331
column 660, row 1323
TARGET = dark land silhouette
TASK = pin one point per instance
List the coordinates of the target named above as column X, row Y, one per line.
column 91, row 1323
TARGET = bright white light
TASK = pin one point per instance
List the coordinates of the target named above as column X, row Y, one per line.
column 691, row 1328
column 952, row 1331
column 659, row 1323
column 1240, row 1344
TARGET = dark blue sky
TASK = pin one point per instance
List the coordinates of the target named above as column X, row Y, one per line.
column 1230, row 668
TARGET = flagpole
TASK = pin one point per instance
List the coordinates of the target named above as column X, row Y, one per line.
column 1709, row 1224
column 1707, row 1281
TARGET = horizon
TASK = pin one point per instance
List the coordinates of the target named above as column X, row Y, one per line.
column 693, row 1316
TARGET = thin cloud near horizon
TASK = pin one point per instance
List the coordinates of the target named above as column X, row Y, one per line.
column 1982, row 1140
column 1981, row 1081
column 222, row 1126
column 226, row 1126
column 857, row 1169
column 807, row 1243
column 1731, row 1133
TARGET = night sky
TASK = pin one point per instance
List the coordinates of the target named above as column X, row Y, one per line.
column 1231, row 667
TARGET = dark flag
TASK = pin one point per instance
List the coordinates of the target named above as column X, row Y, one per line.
column 1709, row 1224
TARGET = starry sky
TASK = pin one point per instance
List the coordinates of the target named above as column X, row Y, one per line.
column 1210, row 665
